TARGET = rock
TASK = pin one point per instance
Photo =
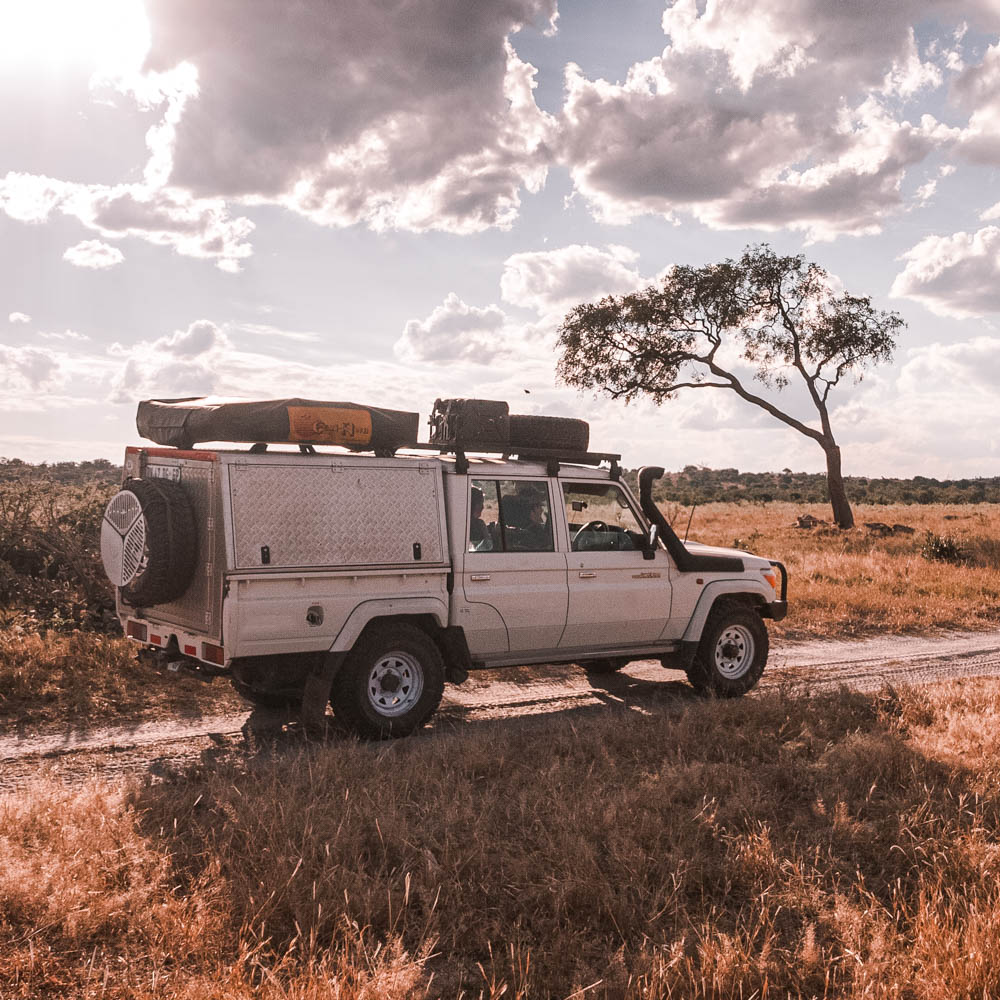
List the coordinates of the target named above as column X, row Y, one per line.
column 878, row 528
column 808, row 521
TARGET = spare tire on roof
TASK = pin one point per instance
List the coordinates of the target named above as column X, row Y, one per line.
column 149, row 541
column 564, row 434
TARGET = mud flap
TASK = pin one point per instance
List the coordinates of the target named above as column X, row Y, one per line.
column 316, row 694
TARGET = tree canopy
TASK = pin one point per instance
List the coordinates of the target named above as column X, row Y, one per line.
column 750, row 326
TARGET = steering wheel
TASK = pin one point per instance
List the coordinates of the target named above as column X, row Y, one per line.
column 590, row 526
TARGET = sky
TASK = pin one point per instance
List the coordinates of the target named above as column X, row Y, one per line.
column 395, row 201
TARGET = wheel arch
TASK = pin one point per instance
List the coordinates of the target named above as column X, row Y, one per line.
column 429, row 614
column 718, row 592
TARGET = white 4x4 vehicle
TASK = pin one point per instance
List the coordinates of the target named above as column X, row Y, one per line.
column 368, row 580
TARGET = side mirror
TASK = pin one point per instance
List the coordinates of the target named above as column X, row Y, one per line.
column 649, row 549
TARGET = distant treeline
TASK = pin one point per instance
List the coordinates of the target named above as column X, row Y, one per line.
column 99, row 472
column 693, row 485
column 697, row 485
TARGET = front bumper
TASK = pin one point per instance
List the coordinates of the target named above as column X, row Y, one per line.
column 777, row 610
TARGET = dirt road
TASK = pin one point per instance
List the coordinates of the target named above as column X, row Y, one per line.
column 158, row 748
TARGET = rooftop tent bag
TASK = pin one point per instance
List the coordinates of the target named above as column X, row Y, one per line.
column 182, row 423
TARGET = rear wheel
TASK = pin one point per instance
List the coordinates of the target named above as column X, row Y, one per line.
column 390, row 684
column 732, row 653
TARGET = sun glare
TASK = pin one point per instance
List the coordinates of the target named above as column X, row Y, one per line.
column 108, row 37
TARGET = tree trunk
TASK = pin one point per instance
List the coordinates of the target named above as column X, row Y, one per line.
column 842, row 513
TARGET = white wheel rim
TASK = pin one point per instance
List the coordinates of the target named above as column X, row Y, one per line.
column 734, row 651
column 395, row 683
column 123, row 538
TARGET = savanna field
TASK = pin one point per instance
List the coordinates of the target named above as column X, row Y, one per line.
column 840, row 845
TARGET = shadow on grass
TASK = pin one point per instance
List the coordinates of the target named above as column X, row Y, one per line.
column 802, row 845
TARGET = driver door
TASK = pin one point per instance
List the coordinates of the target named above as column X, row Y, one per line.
column 616, row 596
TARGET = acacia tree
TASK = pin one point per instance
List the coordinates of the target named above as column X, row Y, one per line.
column 779, row 317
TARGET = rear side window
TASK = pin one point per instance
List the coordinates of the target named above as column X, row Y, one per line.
column 515, row 515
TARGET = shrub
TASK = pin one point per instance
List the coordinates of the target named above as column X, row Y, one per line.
column 942, row 548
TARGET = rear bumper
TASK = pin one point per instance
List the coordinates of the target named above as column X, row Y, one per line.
column 176, row 643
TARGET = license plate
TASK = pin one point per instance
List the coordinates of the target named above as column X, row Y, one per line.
column 164, row 472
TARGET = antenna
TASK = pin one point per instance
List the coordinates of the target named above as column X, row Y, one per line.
column 690, row 519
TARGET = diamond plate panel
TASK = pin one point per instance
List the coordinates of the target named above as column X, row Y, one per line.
column 199, row 608
column 335, row 516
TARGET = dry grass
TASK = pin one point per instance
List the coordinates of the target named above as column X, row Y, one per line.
column 852, row 583
column 839, row 846
column 83, row 679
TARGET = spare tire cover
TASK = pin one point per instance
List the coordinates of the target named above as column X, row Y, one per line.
column 149, row 541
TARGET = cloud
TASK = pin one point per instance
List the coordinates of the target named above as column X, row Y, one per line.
column 549, row 282
column 27, row 368
column 764, row 115
column 276, row 333
column 953, row 368
column 192, row 227
column 553, row 281
column 186, row 362
column 978, row 87
column 415, row 118
column 935, row 416
column 18, row 317
column 94, row 254
column 201, row 359
column 66, row 336
column 455, row 331
column 956, row 276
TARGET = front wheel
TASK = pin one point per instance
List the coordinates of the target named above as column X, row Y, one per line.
column 390, row 684
column 732, row 652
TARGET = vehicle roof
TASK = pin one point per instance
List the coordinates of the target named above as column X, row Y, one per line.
column 479, row 465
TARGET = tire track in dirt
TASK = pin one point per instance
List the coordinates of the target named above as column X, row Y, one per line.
column 511, row 693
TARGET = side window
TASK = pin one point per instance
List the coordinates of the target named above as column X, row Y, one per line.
column 514, row 516
column 484, row 531
column 600, row 518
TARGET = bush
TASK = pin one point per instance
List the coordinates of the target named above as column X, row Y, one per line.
column 942, row 548
column 50, row 564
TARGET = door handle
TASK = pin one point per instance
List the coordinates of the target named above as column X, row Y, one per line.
column 479, row 577
column 587, row 576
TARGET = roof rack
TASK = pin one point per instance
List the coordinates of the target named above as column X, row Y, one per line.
column 553, row 457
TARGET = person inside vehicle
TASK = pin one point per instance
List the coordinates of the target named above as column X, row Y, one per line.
column 480, row 539
column 536, row 534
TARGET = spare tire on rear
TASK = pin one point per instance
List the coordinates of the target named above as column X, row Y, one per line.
column 149, row 541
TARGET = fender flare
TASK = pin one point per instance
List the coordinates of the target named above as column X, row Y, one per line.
column 368, row 611
column 712, row 592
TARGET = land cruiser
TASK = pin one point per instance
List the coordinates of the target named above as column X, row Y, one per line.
column 370, row 574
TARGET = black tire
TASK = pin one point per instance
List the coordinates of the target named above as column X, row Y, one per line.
column 561, row 433
column 390, row 684
column 732, row 652
column 162, row 541
column 609, row 666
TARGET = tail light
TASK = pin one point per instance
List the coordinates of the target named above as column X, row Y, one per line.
column 135, row 630
column 212, row 653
